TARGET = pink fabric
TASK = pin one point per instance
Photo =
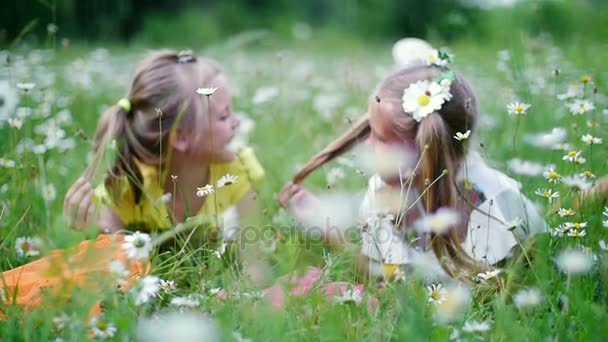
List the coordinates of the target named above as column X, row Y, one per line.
column 302, row 286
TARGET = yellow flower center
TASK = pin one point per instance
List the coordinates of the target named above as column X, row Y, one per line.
column 585, row 79
column 587, row 174
column 26, row 246
column 424, row 100
column 519, row 109
column 101, row 325
column 436, row 295
column 547, row 193
column 553, row 175
column 571, row 154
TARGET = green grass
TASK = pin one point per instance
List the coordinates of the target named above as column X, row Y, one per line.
column 289, row 129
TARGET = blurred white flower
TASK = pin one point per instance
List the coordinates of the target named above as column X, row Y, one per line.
column 562, row 212
column 167, row 286
column 487, row 275
column 603, row 245
column 334, row 174
column 586, row 174
column 61, row 322
column 574, row 90
column 48, row 192
column 206, row 91
column 580, row 107
column 26, row 86
column 146, row 289
column 101, row 328
column 227, row 180
column 589, row 139
column 185, row 302
column 456, row 301
column 605, row 213
column 552, row 176
column 137, row 245
column 435, row 58
column 350, row 296
column 265, row 94
column 15, row 122
column 119, row 271
column 526, row 167
column 518, row 108
column 438, row 222
column 164, row 199
column 183, row 326
column 476, row 327
column 28, row 246
column 7, row 163
column 547, row 193
column 9, row 99
column 205, row 190
column 547, row 140
column 437, row 293
column 238, row 338
column 572, row 261
column 576, row 182
column 527, row 298
column 461, row 137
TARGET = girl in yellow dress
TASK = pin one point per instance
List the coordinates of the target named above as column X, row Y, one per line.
column 170, row 139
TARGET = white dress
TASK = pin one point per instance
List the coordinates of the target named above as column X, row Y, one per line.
column 489, row 239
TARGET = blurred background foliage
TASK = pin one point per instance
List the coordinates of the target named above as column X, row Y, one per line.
column 200, row 22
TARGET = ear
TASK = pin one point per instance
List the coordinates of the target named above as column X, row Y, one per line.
column 180, row 139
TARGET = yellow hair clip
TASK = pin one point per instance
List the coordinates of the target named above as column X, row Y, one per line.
column 125, row 104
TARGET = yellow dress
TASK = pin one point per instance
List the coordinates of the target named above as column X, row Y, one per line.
column 62, row 270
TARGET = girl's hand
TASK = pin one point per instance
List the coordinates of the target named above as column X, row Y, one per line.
column 298, row 201
column 78, row 206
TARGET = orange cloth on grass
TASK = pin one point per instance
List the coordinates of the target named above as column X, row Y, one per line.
column 64, row 269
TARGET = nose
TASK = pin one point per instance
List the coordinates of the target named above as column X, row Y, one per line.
column 236, row 122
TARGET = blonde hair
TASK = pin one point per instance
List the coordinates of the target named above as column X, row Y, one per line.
column 435, row 133
column 162, row 96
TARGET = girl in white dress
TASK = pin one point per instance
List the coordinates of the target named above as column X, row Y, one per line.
column 438, row 197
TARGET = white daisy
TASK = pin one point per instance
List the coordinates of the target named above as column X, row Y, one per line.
column 350, row 296
column 49, row 193
column 547, row 193
column 437, row 293
column 119, row 271
column 527, row 298
column 7, row 163
column 586, row 174
column 577, row 233
column 603, row 245
column 552, row 176
column 61, row 321
column 476, row 327
column 437, row 58
column 574, row 261
column 137, row 245
column 185, row 302
column 576, row 182
column 167, row 286
column 101, row 328
column 580, row 107
column 227, row 180
column 26, row 86
column 487, row 275
column 422, row 98
column 439, row 222
column 562, row 212
column 206, row 91
column 518, row 108
column 15, row 123
column 205, row 190
column 589, row 139
column 28, row 246
column 462, row 136
column 575, row 89
column 146, row 289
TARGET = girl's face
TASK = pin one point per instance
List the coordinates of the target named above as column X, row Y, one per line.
column 214, row 132
column 394, row 151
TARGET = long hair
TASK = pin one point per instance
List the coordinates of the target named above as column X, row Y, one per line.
column 435, row 133
column 162, row 96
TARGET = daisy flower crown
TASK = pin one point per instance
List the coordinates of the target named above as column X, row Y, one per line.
column 425, row 97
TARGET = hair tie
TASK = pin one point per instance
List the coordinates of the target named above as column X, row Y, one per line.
column 125, row 104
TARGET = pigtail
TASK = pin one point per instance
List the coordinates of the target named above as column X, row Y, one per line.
column 357, row 133
column 434, row 135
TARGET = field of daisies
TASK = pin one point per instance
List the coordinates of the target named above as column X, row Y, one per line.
column 543, row 121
